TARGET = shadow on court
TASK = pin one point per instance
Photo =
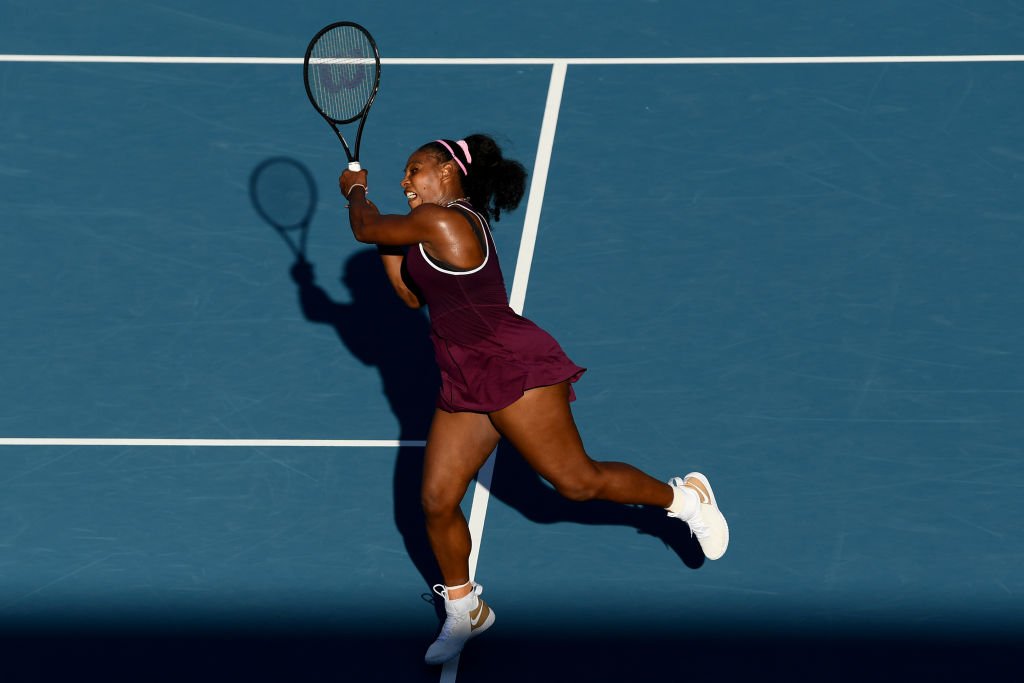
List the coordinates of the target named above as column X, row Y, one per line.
column 382, row 332
column 623, row 652
column 680, row 652
column 375, row 327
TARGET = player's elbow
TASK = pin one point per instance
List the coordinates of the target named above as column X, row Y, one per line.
column 410, row 300
column 408, row 297
column 361, row 235
column 362, row 229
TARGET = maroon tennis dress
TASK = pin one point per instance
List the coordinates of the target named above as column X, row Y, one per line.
column 487, row 354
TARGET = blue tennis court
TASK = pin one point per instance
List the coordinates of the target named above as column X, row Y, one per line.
column 799, row 275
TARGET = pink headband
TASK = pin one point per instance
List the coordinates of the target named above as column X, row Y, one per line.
column 465, row 148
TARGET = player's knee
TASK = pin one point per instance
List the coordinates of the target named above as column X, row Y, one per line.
column 578, row 489
column 437, row 501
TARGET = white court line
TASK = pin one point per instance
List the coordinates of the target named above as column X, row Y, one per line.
column 271, row 443
column 517, row 298
column 523, row 61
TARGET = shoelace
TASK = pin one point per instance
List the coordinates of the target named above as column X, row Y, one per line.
column 452, row 620
column 698, row 527
column 696, row 523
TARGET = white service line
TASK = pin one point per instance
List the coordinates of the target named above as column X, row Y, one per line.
column 271, row 443
column 517, row 298
column 522, row 61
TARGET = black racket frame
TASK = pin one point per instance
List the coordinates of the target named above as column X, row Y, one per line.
column 351, row 152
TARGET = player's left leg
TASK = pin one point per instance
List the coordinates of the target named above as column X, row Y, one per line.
column 541, row 427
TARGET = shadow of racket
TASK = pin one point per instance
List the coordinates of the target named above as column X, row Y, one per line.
column 284, row 195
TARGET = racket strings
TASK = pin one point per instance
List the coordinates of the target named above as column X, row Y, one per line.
column 342, row 72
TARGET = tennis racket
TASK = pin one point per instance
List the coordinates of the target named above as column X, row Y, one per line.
column 284, row 194
column 342, row 74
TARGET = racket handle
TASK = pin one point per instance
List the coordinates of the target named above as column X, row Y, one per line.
column 354, row 166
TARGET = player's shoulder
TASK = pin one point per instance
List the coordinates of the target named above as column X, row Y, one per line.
column 433, row 213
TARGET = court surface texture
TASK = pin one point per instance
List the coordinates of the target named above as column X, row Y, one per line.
column 785, row 240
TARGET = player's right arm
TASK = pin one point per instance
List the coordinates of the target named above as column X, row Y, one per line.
column 369, row 225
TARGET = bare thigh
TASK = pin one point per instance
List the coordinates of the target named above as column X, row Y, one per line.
column 541, row 427
column 457, row 447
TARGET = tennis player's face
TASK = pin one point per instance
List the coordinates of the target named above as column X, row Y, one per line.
column 422, row 181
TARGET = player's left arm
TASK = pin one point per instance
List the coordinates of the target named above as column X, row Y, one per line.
column 393, row 259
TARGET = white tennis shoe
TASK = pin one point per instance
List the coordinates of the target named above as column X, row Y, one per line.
column 705, row 520
column 468, row 617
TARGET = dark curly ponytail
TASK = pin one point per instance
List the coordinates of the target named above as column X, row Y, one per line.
column 492, row 182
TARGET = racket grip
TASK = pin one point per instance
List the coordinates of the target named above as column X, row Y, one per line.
column 354, row 166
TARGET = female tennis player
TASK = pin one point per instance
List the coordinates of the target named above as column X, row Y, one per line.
column 501, row 375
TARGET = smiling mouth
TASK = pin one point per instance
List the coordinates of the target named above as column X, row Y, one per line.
column 411, row 196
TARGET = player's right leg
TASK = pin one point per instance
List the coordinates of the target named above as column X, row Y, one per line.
column 457, row 446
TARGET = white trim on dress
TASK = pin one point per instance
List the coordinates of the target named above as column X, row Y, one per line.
column 487, row 248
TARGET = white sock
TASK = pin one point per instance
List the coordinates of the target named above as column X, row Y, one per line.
column 466, row 602
column 449, row 589
column 684, row 502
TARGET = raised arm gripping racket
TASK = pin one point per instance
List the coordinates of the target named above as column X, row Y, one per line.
column 342, row 74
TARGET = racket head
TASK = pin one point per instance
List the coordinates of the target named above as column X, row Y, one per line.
column 341, row 70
